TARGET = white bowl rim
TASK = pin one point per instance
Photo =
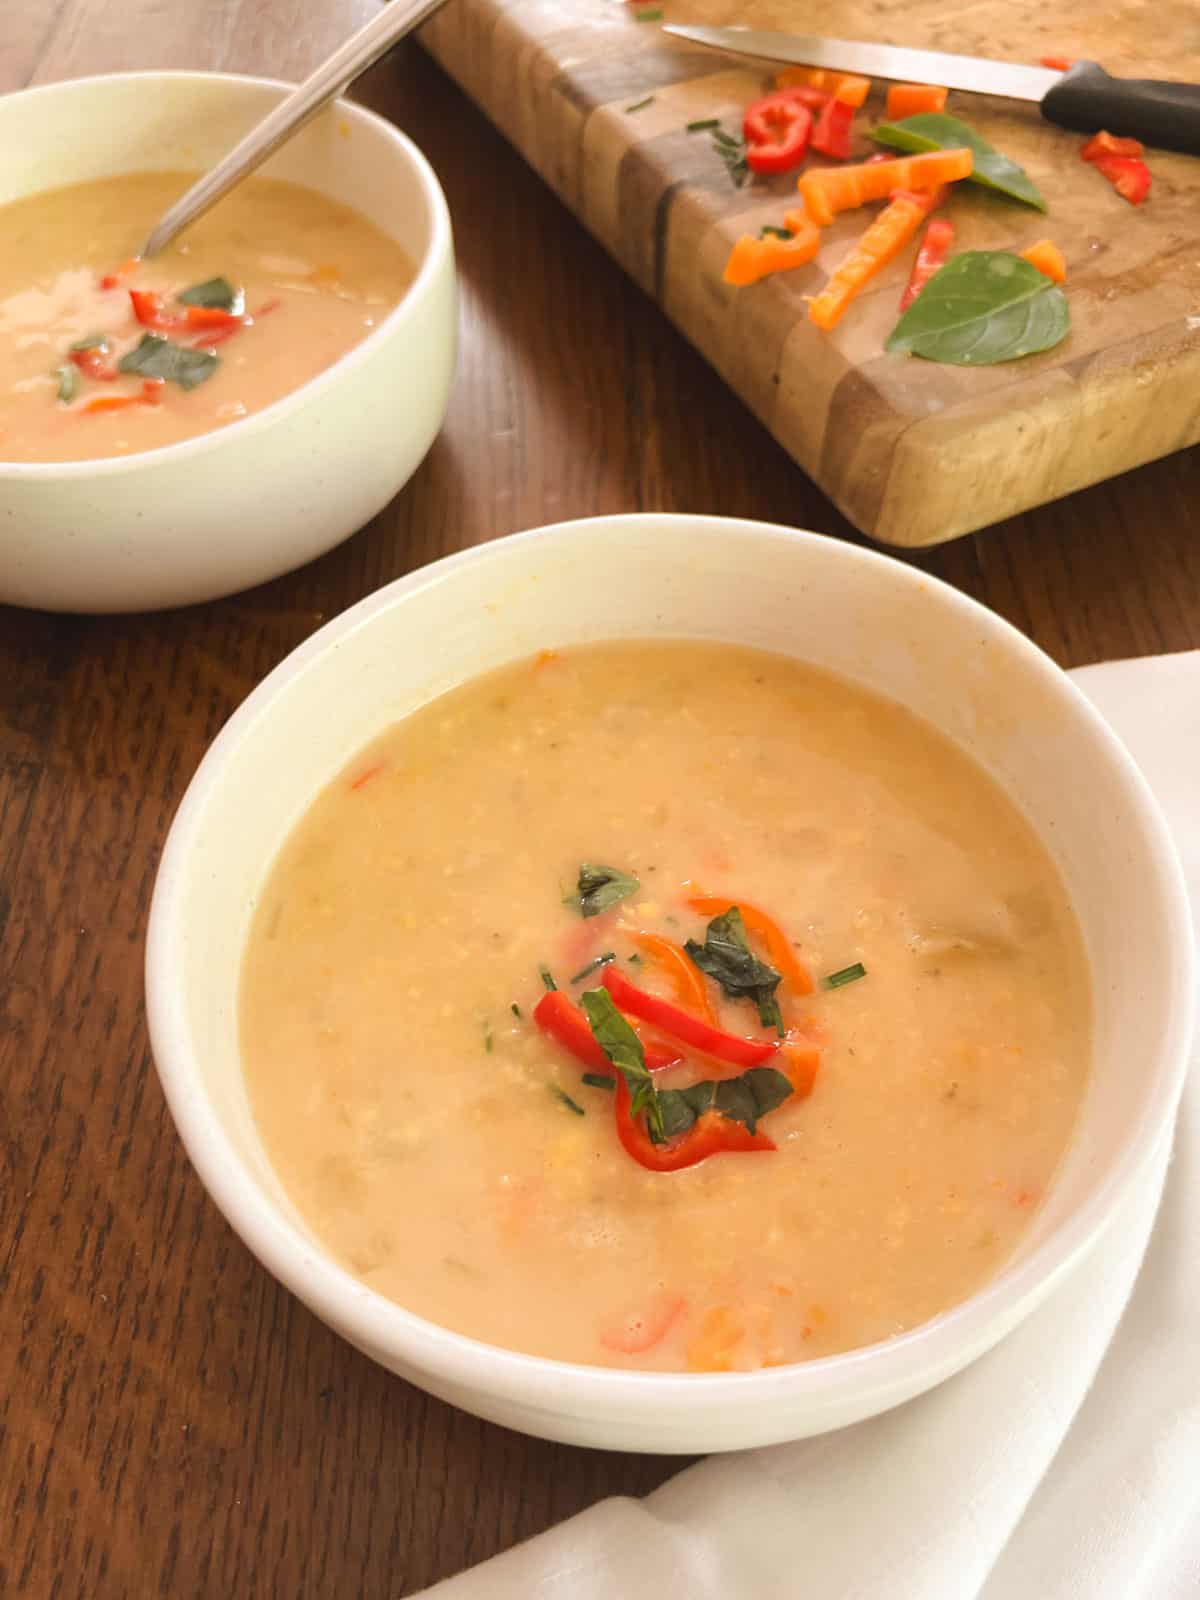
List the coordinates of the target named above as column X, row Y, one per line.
column 431, row 264
column 379, row 1324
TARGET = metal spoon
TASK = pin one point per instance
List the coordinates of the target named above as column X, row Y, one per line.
column 362, row 50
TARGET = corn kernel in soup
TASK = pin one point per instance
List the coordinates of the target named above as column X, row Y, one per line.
column 843, row 1102
column 102, row 354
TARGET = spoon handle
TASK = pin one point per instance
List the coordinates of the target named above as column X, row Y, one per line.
column 330, row 79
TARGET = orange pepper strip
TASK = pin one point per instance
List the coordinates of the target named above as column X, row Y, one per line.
column 845, row 86
column 783, row 957
column 151, row 395
column 907, row 99
column 882, row 242
column 686, row 980
column 827, row 190
column 752, row 259
column 1046, row 257
column 801, row 1063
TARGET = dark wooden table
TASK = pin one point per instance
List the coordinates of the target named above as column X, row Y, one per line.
column 171, row 1421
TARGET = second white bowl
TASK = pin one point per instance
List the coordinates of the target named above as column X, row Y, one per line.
column 235, row 507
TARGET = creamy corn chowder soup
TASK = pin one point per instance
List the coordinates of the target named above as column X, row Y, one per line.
column 672, row 1006
column 102, row 354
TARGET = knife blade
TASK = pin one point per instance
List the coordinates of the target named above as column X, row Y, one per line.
column 1084, row 98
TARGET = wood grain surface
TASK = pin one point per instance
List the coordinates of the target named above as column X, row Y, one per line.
column 172, row 1423
column 913, row 452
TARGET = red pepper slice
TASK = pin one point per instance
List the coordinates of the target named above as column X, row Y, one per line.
column 1108, row 144
column 557, row 1016
column 776, row 129
column 211, row 317
column 931, row 258
column 148, row 309
column 92, row 363
column 682, row 1025
column 709, row 1135
column 1129, row 176
column 831, row 136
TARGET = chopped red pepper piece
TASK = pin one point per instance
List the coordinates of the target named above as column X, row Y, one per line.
column 111, row 280
column 1129, row 176
column 682, row 1025
column 831, row 136
column 709, row 1135
column 92, row 363
column 557, row 1016
column 1057, row 63
column 148, row 309
column 776, row 130
column 814, row 99
column 931, row 258
column 211, row 317
column 1108, row 144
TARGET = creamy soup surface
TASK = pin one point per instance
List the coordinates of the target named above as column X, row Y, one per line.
column 311, row 277
column 447, row 1149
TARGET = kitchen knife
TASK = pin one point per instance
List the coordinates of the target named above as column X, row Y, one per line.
column 1084, row 97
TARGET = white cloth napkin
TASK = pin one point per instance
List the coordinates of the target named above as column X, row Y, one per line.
column 1064, row 1465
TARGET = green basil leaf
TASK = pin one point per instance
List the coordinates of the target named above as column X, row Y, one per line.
column 68, row 384
column 726, row 956
column 933, row 130
column 600, row 888
column 624, row 1049
column 681, row 1107
column 746, row 1099
column 983, row 307
column 156, row 357
column 215, row 292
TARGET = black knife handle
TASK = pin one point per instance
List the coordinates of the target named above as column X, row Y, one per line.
column 1165, row 114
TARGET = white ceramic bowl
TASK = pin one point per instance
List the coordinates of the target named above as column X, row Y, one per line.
column 220, row 512
column 857, row 613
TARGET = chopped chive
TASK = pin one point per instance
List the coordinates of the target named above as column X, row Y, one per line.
column 488, row 1041
column 639, row 105
column 593, row 966
column 770, row 232
column 836, row 980
column 635, row 960
column 547, row 978
column 515, row 1009
column 92, row 341
column 561, row 1094
column 597, row 1080
column 653, row 15
column 68, row 384
column 705, row 122
column 733, row 153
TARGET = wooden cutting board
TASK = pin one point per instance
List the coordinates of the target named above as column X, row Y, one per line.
column 912, row 452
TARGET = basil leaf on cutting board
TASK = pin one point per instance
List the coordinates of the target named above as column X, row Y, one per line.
column 743, row 1099
column 983, row 307
column 156, row 357
column 726, row 956
column 600, row 888
column 933, row 130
